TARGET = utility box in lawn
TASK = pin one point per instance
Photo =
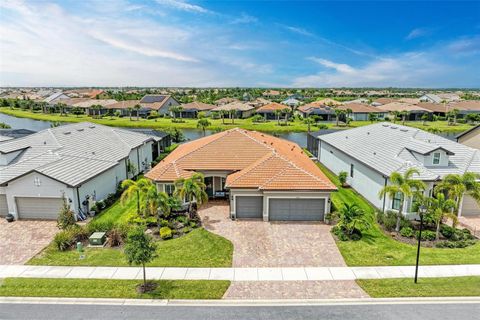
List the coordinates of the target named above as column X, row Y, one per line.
column 97, row 239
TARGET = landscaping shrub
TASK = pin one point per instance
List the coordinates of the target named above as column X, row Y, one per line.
column 342, row 177
column 116, row 237
column 165, row 233
column 163, row 223
column 186, row 230
column 99, row 226
column 406, row 232
column 426, row 235
column 455, row 244
column 66, row 217
column 389, row 220
column 459, row 235
column 63, row 240
column 447, row 231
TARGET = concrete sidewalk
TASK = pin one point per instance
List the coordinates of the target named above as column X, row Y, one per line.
column 238, row 274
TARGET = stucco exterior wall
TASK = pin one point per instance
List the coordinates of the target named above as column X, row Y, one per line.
column 25, row 187
column 366, row 181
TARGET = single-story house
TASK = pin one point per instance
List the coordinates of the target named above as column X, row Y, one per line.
column 56, row 97
column 268, row 111
column 191, row 110
column 126, row 107
column 361, row 111
column 370, row 154
column 81, row 163
column 465, row 107
column 430, row 97
column 271, row 93
column 262, row 176
column 226, row 100
column 161, row 139
column 242, row 110
column 159, row 102
column 327, row 102
column 313, row 141
column 381, row 101
column 438, row 109
column 415, row 112
column 327, row 113
column 291, row 102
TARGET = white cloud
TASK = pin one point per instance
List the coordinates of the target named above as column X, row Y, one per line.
column 405, row 70
column 465, row 46
column 298, row 30
column 244, row 19
column 418, row 33
column 184, row 6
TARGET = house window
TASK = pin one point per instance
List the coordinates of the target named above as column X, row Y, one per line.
column 436, row 158
column 397, row 200
column 169, row 189
column 351, row 170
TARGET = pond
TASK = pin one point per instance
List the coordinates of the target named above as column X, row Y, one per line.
column 191, row 134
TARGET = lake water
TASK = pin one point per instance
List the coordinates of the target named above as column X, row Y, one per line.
column 191, row 134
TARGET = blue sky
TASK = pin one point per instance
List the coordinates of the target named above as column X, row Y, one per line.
column 239, row 43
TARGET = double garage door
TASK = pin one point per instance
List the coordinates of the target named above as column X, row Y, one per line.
column 280, row 209
column 38, row 208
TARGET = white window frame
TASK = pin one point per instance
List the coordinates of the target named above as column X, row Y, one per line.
column 434, row 158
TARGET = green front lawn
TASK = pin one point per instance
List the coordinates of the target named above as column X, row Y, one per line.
column 199, row 248
column 90, row 288
column 377, row 249
column 426, row 287
column 164, row 123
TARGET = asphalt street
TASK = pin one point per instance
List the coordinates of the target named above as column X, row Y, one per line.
column 401, row 311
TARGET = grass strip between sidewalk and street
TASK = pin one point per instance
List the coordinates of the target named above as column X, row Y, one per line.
column 426, row 287
column 126, row 289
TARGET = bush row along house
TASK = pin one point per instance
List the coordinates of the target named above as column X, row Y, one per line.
column 81, row 163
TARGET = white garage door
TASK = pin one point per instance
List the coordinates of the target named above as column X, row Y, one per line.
column 38, row 208
column 470, row 207
column 3, row 205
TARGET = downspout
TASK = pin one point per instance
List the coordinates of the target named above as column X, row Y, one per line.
column 138, row 161
column 384, row 196
column 319, row 151
column 78, row 200
column 126, row 168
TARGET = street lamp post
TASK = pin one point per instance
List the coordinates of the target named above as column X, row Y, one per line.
column 421, row 211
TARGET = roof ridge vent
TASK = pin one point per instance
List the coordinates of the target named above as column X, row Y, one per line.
column 91, row 126
column 394, row 127
column 404, row 130
column 67, row 132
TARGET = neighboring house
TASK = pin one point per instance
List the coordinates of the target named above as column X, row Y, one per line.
column 86, row 104
column 258, row 102
column 370, row 154
column 191, row 110
column 359, row 100
column 465, row 107
column 222, row 101
column 291, row 102
column 128, row 106
column 469, row 138
column 242, row 110
column 327, row 102
column 430, row 97
column 361, row 111
column 269, row 111
column 450, row 97
column 381, row 101
column 162, row 140
column 271, row 94
column 159, row 102
column 326, row 113
column 262, row 176
column 438, row 109
column 313, row 142
column 415, row 112
column 56, row 97
column 83, row 162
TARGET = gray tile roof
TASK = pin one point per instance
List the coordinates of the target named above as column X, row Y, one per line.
column 72, row 153
column 387, row 148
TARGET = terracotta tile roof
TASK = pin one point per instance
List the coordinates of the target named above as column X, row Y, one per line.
column 384, row 100
column 255, row 160
column 272, row 107
column 361, row 108
column 434, row 107
column 401, row 106
column 326, row 102
column 466, row 105
column 236, row 105
column 123, row 104
column 198, row 106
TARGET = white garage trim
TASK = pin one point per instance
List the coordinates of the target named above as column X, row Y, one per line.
column 296, row 197
column 38, row 207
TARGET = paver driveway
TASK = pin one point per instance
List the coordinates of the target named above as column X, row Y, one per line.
column 273, row 244
column 21, row 240
column 472, row 223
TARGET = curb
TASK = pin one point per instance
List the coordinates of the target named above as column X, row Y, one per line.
column 226, row 303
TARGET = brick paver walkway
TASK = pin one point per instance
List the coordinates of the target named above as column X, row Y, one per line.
column 21, row 240
column 471, row 223
column 273, row 244
column 295, row 290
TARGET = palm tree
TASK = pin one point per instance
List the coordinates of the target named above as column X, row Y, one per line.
column 232, row 114
column 338, row 113
column 404, row 186
column 203, row 124
column 372, row 117
column 118, row 113
column 61, row 106
column 404, row 115
column 190, row 189
column 154, row 114
column 277, row 113
column 309, row 121
column 286, row 111
column 223, row 114
column 137, row 108
column 351, row 217
column 424, row 118
column 136, row 189
column 155, row 200
column 173, row 111
column 130, row 110
column 438, row 208
column 349, row 112
column 457, row 186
